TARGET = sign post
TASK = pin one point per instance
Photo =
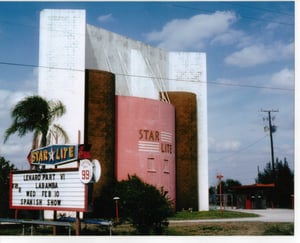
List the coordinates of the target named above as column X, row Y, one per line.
column 220, row 186
column 117, row 209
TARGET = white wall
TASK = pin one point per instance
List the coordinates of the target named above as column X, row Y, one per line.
column 187, row 72
column 131, row 61
column 62, row 65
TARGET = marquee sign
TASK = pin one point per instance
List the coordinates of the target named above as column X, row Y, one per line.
column 58, row 154
column 59, row 189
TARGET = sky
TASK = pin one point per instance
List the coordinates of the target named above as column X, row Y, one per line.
column 250, row 48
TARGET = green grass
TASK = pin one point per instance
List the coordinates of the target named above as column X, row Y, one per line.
column 212, row 214
column 174, row 229
column 276, row 229
column 230, row 229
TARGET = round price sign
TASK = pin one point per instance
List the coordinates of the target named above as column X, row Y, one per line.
column 85, row 171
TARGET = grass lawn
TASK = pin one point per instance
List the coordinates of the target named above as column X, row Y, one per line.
column 230, row 229
column 179, row 228
column 212, row 214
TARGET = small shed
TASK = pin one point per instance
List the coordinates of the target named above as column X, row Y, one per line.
column 255, row 196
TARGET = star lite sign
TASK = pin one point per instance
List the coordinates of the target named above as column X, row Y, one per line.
column 58, row 154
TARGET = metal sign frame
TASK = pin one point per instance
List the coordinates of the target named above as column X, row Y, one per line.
column 58, row 154
column 51, row 189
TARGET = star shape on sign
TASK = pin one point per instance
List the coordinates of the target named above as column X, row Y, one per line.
column 51, row 155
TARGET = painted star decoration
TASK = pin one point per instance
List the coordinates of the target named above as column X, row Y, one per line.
column 51, row 155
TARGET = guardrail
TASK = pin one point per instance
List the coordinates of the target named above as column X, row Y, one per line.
column 63, row 222
column 99, row 222
column 36, row 222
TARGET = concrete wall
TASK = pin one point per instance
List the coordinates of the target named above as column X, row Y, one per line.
column 133, row 62
column 62, row 65
column 145, row 143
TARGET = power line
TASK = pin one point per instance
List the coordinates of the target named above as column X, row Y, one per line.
column 249, row 86
column 152, row 77
column 37, row 66
column 261, row 9
column 241, row 150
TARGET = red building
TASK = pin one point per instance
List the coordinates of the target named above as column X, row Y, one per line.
column 256, row 196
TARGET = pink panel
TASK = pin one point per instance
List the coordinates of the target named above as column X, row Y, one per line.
column 145, row 141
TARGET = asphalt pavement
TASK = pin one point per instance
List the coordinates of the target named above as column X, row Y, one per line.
column 265, row 215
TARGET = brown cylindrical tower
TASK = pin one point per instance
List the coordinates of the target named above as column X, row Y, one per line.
column 100, row 123
column 186, row 149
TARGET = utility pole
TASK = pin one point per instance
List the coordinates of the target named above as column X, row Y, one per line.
column 271, row 130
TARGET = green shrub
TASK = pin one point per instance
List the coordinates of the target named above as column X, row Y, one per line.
column 143, row 205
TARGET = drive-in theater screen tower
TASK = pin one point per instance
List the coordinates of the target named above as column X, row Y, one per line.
column 143, row 109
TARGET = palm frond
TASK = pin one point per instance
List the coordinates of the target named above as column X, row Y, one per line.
column 57, row 109
column 9, row 131
column 55, row 132
column 36, row 114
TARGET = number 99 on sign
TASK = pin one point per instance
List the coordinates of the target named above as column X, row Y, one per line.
column 85, row 175
column 86, row 171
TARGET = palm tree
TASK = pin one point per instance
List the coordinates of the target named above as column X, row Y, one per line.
column 35, row 114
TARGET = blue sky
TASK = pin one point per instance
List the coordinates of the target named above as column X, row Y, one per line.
column 250, row 66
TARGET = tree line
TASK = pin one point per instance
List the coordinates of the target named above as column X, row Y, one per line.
column 283, row 179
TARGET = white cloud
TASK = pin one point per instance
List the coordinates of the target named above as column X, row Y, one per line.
column 285, row 78
column 8, row 99
column 105, row 18
column 286, row 50
column 15, row 149
column 12, row 148
column 183, row 34
column 223, row 146
column 231, row 37
column 260, row 54
column 250, row 56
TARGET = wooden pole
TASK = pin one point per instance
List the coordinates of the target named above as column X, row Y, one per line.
column 77, row 224
column 220, row 182
column 77, row 221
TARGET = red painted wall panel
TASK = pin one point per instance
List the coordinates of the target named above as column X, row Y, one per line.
column 145, row 142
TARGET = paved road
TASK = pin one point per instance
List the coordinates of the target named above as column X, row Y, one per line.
column 266, row 215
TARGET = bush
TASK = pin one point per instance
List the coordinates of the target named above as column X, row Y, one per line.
column 143, row 205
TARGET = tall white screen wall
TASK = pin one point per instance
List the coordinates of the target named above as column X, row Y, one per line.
column 133, row 62
column 62, row 65
column 187, row 72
